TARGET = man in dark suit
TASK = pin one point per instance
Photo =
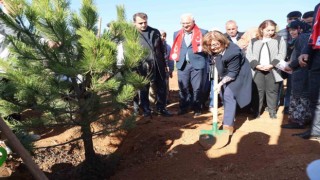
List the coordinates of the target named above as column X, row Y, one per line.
column 153, row 66
column 232, row 32
column 190, row 62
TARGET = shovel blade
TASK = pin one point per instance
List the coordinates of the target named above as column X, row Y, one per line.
column 214, row 141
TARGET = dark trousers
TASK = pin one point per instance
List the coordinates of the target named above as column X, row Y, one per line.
column 143, row 95
column 314, row 89
column 230, row 106
column 286, row 102
column 265, row 86
column 186, row 76
column 206, row 87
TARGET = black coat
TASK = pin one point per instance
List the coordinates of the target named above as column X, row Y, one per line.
column 238, row 37
column 299, row 77
column 154, row 62
column 234, row 64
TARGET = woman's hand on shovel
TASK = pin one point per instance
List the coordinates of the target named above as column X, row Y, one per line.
column 218, row 88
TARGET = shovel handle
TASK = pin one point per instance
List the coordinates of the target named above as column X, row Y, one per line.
column 215, row 96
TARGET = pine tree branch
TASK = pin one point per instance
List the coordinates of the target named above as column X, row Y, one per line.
column 23, row 56
column 70, row 102
column 26, row 31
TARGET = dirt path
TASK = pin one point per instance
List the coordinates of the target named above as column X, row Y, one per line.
column 168, row 148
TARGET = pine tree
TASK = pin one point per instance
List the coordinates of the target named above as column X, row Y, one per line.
column 77, row 83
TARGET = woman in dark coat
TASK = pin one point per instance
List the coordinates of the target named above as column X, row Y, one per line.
column 299, row 110
column 234, row 74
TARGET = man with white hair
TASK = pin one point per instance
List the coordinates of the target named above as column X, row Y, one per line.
column 232, row 32
column 190, row 62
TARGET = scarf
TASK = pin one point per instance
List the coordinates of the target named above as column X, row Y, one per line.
column 196, row 43
column 315, row 36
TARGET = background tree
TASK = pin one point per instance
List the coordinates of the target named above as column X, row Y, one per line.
column 77, row 83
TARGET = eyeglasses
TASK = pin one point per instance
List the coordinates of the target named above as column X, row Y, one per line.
column 214, row 45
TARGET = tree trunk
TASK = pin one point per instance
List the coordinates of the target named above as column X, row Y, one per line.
column 90, row 155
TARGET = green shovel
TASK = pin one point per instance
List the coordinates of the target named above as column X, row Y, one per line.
column 3, row 156
column 214, row 138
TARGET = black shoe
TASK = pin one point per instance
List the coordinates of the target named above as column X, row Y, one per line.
column 147, row 114
column 304, row 135
column 164, row 112
column 256, row 115
column 286, row 110
column 292, row 126
column 273, row 115
column 181, row 112
column 307, row 135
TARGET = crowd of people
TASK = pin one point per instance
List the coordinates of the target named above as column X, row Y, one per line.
column 252, row 68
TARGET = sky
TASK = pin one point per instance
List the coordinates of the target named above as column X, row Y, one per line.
column 208, row 14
